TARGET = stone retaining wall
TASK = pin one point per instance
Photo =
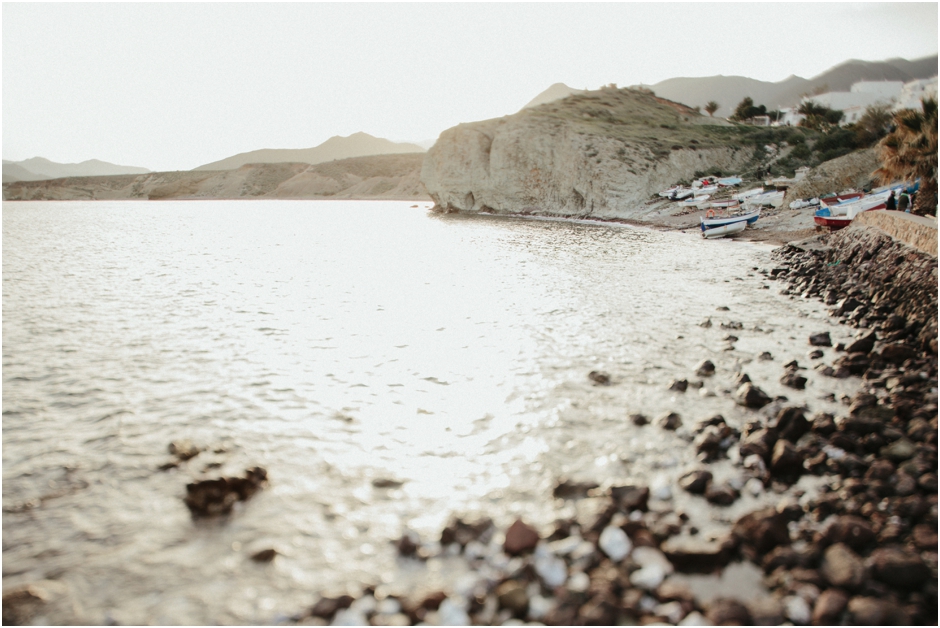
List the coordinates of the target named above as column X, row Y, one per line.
column 919, row 232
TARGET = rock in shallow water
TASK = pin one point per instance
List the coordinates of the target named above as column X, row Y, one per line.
column 821, row 339
column 520, row 538
column 216, row 497
column 751, row 396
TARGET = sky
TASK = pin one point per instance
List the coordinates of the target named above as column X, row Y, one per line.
column 174, row 86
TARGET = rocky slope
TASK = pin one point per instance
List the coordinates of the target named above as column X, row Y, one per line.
column 391, row 177
column 855, row 170
column 598, row 154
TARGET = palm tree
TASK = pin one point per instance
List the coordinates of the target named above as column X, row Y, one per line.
column 910, row 152
column 711, row 107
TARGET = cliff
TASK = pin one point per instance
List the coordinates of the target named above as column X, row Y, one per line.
column 389, row 177
column 598, row 154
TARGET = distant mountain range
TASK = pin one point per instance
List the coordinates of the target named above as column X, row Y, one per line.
column 728, row 91
column 356, row 145
column 40, row 168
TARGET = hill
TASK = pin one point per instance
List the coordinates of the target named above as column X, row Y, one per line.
column 37, row 168
column 553, row 93
column 356, row 145
column 728, row 91
column 598, row 154
column 389, row 177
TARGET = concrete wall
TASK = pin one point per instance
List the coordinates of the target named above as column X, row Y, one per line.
column 919, row 232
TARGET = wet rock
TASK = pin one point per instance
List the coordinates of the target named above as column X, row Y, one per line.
column 841, row 567
column 815, row 354
column 728, row 612
column 694, row 554
column 615, row 543
column 790, row 424
column 387, row 483
column 183, row 449
column 766, row 611
column 326, row 607
column 821, row 339
column 786, row 460
column 520, row 538
column 679, row 385
column 706, row 368
column 695, row 482
column 567, row 489
column 706, row 323
column 758, row 443
column 264, row 556
column 792, row 379
column 463, row 532
column 897, row 353
column 740, row 379
column 709, row 442
column 898, row 568
column 863, row 345
column 762, row 530
column 873, row 611
column 407, row 545
column 512, row 595
column 829, row 606
column 751, row 396
column 732, row 325
column 599, row 377
column 854, row 532
column 669, row 421
column 899, row 450
column 630, row 497
column 208, row 498
column 721, row 494
column 639, row 419
column 765, row 356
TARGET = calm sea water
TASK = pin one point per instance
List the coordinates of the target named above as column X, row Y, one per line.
column 338, row 344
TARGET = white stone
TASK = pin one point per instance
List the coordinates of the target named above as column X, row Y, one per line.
column 539, row 607
column 647, row 603
column 615, row 543
column 648, row 577
column 451, row 613
column 349, row 617
column 754, row 486
column 695, row 618
column 671, row 611
column 563, row 547
column 552, row 570
column 797, row 610
column 579, row 582
column 647, row 556
column 660, row 489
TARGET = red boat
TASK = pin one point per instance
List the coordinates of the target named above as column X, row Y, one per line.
column 832, row 200
column 833, row 222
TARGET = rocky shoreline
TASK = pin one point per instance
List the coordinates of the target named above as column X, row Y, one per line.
column 863, row 551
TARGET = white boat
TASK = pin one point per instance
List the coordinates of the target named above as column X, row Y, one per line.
column 681, row 193
column 801, row 203
column 729, row 181
column 712, row 223
column 706, row 190
column 695, row 201
column 773, row 198
column 725, row 204
column 726, row 230
column 668, row 193
column 749, row 193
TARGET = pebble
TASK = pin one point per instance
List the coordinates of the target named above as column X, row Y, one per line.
column 695, row 618
column 520, row 538
column 450, row 613
column 648, row 577
column 669, row 421
column 797, row 610
column 615, row 543
column 706, row 368
column 579, row 582
column 552, row 570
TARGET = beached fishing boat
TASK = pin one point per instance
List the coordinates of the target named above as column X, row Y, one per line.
column 839, row 216
column 774, row 198
column 747, row 219
column 807, row 202
column 669, row 192
column 681, row 193
column 727, row 181
column 747, row 194
column 730, row 203
column 705, row 190
column 839, row 198
column 726, row 230
column 695, row 201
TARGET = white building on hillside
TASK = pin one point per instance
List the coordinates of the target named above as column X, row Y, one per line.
column 885, row 91
column 912, row 92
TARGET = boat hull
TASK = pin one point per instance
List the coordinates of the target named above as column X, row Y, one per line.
column 726, row 230
column 712, row 223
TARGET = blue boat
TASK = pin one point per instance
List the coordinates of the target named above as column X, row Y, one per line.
column 711, row 223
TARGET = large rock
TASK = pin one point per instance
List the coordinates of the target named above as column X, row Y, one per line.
column 898, row 568
column 520, row 538
column 751, row 396
column 208, row 498
column 841, row 567
column 588, row 155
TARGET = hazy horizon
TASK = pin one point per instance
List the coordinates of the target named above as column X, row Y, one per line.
column 175, row 86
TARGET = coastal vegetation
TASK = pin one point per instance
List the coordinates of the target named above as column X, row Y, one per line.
column 909, row 152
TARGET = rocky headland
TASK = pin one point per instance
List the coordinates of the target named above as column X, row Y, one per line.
column 387, row 177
